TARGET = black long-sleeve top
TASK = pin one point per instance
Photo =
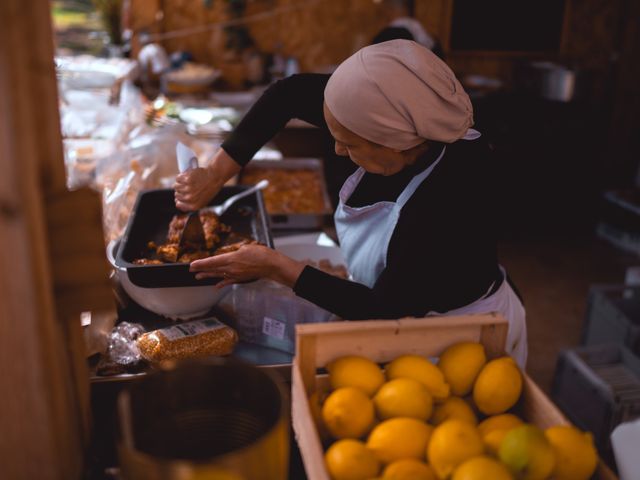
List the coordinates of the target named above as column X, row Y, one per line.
column 442, row 254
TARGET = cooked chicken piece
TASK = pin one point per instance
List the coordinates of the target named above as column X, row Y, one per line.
column 175, row 227
column 213, row 229
column 233, row 247
column 210, row 225
column 147, row 261
column 168, row 252
column 189, row 257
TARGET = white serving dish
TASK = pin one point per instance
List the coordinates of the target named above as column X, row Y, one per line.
column 172, row 302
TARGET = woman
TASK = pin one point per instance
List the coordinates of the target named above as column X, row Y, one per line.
column 416, row 222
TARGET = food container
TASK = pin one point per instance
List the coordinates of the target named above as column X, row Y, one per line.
column 190, row 78
column 552, row 81
column 171, row 302
column 382, row 341
column 213, row 418
column 314, row 214
column 149, row 222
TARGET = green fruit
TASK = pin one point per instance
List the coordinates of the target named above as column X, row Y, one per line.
column 527, row 453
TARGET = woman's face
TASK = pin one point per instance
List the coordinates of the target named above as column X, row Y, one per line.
column 372, row 157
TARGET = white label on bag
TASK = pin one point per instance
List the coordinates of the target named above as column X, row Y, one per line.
column 190, row 329
column 273, row 328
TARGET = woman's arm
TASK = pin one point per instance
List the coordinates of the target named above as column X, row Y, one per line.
column 299, row 96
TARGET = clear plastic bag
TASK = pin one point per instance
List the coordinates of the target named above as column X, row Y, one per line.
column 123, row 348
column 149, row 162
column 94, row 129
column 266, row 313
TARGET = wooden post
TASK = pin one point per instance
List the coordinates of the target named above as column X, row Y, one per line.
column 44, row 232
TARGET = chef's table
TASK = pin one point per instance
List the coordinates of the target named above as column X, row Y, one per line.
column 103, row 460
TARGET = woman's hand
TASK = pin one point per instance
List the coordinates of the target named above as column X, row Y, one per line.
column 249, row 262
column 195, row 188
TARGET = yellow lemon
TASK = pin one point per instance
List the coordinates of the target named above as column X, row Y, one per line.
column 461, row 363
column 504, row 421
column 493, row 440
column 355, row 371
column 453, row 407
column 453, row 442
column 351, row 460
column 403, row 397
column 493, row 430
column 408, row 469
column 482, row 468
column 399, row 438
column 527, row 452
column 498, row 386
column 348, row 413
column 213, row 473
column 576, row 457
column 422, row 370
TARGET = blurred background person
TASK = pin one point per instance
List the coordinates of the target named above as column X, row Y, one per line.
column 154, row 61
column 403, row 25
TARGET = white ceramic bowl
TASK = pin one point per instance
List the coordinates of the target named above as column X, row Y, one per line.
column 174, row 302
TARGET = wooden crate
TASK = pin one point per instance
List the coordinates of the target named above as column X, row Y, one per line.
column 382, row 341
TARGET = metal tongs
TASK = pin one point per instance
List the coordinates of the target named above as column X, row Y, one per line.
column 193, row 232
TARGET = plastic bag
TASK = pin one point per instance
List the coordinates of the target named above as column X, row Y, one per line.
column 95, row 129
column 149, row 162
column 122, row 343
column 266, row 313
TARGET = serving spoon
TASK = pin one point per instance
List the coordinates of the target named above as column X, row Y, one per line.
column 193, row 232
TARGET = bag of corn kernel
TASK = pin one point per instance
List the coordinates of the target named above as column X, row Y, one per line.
column 197, row 338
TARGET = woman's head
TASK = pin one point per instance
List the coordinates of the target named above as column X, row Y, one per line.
column 373, row 157
column 397, row 95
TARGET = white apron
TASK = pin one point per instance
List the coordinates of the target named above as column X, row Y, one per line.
column 365, row 233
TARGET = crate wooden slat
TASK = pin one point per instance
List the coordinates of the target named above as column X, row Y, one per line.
column 382, row 341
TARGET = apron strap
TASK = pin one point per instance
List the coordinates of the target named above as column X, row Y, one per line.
column 415, row 182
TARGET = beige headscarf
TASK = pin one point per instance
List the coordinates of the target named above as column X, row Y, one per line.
column 399, row 94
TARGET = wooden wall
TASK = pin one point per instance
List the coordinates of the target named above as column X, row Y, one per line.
column 306, row 29
column 52, row 263
column 324, row 32
column 599, row 38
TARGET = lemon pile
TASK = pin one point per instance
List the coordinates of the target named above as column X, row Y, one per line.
column 416, row 420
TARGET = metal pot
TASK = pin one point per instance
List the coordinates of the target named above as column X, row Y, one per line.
column 215, row 418
column 551, row 81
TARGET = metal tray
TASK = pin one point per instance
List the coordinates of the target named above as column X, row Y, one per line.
column 297, row 221
column 150, row 218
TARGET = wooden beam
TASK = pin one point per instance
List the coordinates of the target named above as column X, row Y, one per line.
column 43, row 377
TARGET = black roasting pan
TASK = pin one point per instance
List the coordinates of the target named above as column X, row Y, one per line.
column 150, row 219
